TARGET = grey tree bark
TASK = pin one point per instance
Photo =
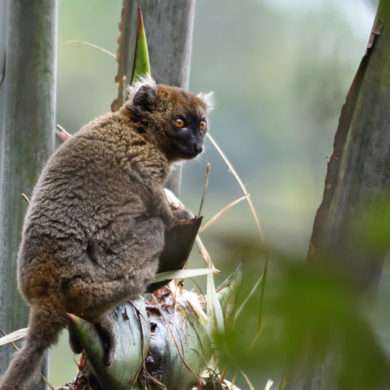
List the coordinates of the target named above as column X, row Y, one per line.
column 169, row 27
column 27, row 107
column 359, row 169
column 358, row 172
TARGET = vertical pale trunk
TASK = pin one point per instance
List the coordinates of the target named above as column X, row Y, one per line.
column 169, row 27
column 359, row 169
column 358, row 172
column 27, row 122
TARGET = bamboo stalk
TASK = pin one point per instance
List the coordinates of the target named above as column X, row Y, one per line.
column 28, row 33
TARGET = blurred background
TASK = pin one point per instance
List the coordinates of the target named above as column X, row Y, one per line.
column 280, row 70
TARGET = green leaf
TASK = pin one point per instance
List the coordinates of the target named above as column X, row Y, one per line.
column 141, row 60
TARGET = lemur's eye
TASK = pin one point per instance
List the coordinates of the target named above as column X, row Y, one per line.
column 203, row 124
column 179, row 123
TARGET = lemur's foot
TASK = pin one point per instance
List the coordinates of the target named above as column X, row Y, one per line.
column 74, row 343
column 104, row 328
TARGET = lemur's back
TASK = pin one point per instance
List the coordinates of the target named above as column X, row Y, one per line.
column 84, row 199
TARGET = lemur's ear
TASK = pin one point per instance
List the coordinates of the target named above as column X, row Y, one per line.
column 208, row 99
column 145, row 98
column 142, row 94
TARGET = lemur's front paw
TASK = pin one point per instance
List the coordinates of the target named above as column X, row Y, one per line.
column 181, row 214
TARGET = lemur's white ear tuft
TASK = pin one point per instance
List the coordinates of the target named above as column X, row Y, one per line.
column 144, row 81
column 208, row 99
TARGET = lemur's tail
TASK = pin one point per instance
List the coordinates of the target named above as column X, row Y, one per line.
column 45, row 324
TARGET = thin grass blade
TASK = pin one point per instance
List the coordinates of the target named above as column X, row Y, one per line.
column 13, row 337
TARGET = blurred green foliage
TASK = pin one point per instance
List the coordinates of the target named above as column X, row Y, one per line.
column 372, row 225
column 309, row 312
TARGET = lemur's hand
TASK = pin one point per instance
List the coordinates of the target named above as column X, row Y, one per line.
column 181, row 214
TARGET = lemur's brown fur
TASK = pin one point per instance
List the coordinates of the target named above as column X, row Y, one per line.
column 95, row 225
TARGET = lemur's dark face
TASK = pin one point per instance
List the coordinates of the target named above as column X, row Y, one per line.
column 175, row 119
column 186, row 125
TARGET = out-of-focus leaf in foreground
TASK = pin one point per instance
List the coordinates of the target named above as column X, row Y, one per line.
column 372, row 226
column 308, row 311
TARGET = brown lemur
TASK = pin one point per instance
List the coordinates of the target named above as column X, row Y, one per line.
column 94, row 228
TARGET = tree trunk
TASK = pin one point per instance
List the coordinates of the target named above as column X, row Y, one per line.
column 359, row 169
column 27, row 106
column 169, row 26
column 358, row 172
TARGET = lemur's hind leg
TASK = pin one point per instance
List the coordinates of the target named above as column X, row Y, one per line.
column 91, row 301
column 99, row 299
column 94, row 296
column 88, row 299
column 104, row 327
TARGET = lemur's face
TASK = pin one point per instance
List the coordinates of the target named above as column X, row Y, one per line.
column 175, row 119
column 186, row 124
